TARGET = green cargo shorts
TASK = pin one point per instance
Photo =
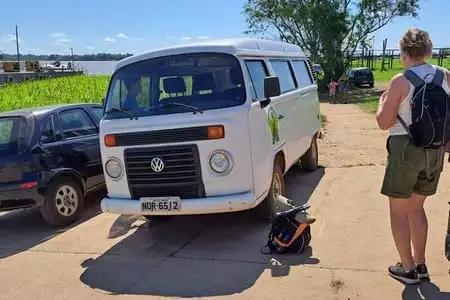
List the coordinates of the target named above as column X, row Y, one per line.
column 411, row 169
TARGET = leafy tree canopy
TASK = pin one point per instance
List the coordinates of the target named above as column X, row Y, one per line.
column 328, row 30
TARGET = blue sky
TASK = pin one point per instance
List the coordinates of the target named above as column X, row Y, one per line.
column 51, row 26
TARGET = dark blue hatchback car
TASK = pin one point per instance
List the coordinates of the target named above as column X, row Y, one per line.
column 50, row 157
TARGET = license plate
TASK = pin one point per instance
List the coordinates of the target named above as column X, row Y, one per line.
column 160, row 203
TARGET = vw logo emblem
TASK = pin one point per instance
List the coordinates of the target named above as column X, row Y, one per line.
column 157, row 164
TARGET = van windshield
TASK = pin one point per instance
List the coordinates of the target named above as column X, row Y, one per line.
column 9, row 128
column 204, row 81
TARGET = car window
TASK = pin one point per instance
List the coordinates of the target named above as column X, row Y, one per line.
column 282, row 69
column 257, row 71
column 76, row 123
column 48, row 131
column 8, row 135
column 98, row 112
column 302, row 73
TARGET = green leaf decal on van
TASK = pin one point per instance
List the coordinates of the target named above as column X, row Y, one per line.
column 273, row 125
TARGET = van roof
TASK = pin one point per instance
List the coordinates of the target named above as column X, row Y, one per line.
column 238, row 46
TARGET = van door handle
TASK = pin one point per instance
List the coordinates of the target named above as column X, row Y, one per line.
column 280, row 116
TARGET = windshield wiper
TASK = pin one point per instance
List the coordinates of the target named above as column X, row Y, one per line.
column 169, row 104
column 131, row 115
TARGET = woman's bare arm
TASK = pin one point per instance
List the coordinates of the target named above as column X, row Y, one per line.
column 390, row 101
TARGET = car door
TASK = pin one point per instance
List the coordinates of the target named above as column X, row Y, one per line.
column 263, row 137
column 80, row 145
column 308, row 108
column 48, row 154
column 288, row 108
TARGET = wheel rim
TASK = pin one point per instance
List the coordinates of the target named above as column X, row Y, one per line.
column 66, row 200
column 276, row 188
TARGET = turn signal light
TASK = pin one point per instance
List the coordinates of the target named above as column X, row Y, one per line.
column 110, row 140
column 216, row 132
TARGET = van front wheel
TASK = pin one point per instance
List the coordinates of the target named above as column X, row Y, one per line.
column 268, row 208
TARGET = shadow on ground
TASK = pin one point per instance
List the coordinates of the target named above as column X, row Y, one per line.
column 424, row 291
column 195, row 256
column 21, row 230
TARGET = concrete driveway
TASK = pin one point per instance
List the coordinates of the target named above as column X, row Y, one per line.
column 218, row 256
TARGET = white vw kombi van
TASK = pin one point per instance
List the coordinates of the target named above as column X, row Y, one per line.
column 207, row 128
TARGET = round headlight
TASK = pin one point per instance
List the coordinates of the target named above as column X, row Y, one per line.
column 220, row 162
column 113, row 168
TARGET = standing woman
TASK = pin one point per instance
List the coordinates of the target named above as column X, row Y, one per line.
column 412, row 173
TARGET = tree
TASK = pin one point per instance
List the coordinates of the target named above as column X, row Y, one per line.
column 328, row 30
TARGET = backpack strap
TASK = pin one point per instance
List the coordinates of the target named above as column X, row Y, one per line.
column 402, row 122
column 438, row 77
column 413, row 78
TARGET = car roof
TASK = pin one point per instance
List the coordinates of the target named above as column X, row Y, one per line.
column 43, row 109
column 361, row 68
column 237, row 46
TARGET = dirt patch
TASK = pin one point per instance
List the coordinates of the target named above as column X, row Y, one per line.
column 351, row 137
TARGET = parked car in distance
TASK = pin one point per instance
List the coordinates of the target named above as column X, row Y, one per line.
column 50, row 158
column 361, row 76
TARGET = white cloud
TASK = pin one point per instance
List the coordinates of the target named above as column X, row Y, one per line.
column 90, row 47
column 186, row 38
column 122, row 36
column 61, row 41
column 109, row 39
column 202, row 37
column 59, row 35
column 10, row 38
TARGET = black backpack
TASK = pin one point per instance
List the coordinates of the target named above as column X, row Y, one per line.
column 287, row 235
column 430, row 105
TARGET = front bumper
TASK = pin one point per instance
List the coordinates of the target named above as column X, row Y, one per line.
column 207, row 205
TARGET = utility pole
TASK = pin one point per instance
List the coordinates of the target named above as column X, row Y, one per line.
column 71, row 53
column 17, row 46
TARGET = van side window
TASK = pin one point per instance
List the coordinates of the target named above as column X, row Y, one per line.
column 283, row 70
column 257, row 71
column 302, row 73
column 48, row 131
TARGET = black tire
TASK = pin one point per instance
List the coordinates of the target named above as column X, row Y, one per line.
column 310, row 160
column 57, row 212
column 267, row 209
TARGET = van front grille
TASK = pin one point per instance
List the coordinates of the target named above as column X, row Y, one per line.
column 180, row 175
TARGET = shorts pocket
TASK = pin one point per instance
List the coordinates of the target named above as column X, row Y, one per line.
column 413, row 156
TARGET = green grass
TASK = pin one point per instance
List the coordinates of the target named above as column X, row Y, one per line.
column 370, row 105
column 71, row 89
column 385, row 76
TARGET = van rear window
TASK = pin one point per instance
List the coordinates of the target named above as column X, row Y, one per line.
column 201, row 80
column 8, row 135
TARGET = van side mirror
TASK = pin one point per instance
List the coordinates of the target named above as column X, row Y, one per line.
column 271, row 89
column 103, row 102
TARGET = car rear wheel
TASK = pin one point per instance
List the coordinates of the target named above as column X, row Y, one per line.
column 63, row 202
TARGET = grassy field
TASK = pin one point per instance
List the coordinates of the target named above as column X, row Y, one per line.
column 385, row 76
column 370, row 105
column 53, row 91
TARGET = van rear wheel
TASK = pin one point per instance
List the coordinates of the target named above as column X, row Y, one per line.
column 268, row 208
column 310, row 160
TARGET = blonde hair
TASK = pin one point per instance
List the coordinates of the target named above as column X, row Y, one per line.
column 416, row 43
